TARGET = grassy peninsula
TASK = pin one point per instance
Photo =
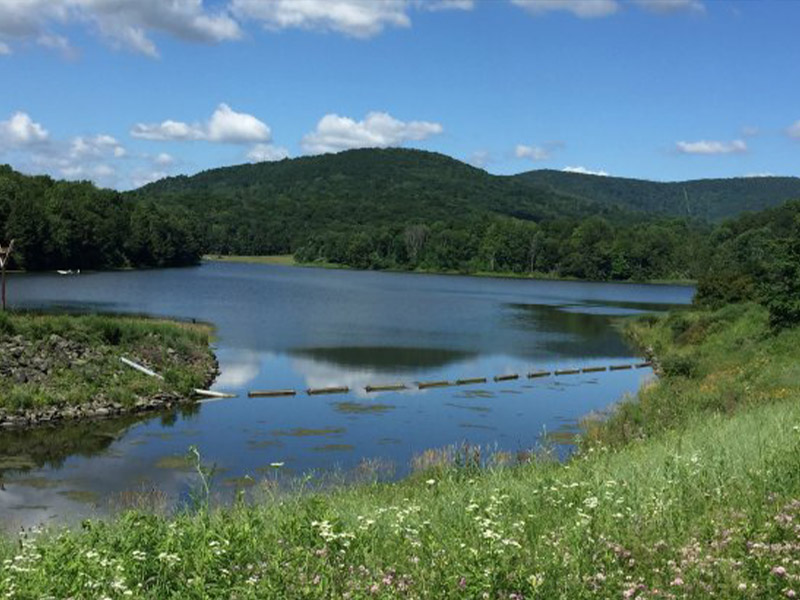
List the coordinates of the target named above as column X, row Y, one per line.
column 691, row 490
column 55, row 366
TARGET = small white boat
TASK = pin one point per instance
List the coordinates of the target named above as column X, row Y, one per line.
column 68, row 272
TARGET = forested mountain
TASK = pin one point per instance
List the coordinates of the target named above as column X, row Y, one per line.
column 66, row 225
column 276, row 207
column 709, row 199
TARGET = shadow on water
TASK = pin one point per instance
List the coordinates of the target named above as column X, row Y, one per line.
column 384, row 358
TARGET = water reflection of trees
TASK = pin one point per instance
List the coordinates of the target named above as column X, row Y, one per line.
column 571, row 333
column 384, row 358
column 34, row 448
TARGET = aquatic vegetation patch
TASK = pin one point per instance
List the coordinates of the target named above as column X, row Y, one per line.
column 307, row 432
column 358, row 408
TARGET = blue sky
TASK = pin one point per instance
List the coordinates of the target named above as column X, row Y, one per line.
column 126, row 91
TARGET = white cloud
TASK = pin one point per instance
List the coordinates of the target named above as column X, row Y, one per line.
column 99, row 145
column 224, row 126
column 794, row 130
column 750, row 131
column 163, row 159
column 671, row 6
column 5, row 49
column 356, row 18
column 437, row 5
column 584, row 171
column 58, row 43
column 712, row 147
column 126, row 23
column 21, row 130
column 377, row 130
column 592, row 9
column 764, row 174
column 267, row 153
column 142, row 177
column 585, row 9
column 480, row 158
column 534, row 153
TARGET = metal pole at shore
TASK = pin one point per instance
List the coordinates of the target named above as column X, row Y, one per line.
column 5, row 253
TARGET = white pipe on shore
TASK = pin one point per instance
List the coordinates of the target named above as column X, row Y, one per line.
column 140, row 368
column 212, row 394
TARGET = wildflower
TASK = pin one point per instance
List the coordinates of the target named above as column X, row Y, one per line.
column 779, row 571
column 742, row 586
column 677, row 582
column 591, row 502
column 535, row 581
column 276, row 465
column 430, row 481
column 462, row 583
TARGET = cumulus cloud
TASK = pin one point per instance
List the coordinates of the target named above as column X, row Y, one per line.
column 712, row 147
column 584, row 171
column 376, row 130
column 585, row 9
column 356, row 18
column 21, row 130
column 794, row 130
column 163, row 159
column 267, row 153
column 671, row 6
column 29, row 146
column 592, row 9
column 225, row 126
column 125, row 23
column 533, row 153
column 480, row 158
column 437, row 5
column 99, row 145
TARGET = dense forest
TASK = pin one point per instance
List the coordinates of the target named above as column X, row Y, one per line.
column 407, row 209
column 66, row 225
column 757, row 258
column 709, row 199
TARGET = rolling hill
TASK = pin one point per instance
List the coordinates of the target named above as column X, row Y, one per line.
column 709, row 199
column 279, row 205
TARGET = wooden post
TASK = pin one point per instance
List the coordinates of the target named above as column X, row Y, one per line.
column 5, row 253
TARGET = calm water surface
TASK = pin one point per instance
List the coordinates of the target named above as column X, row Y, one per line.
column 284, row 327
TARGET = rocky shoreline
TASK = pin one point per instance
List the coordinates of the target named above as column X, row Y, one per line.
column 18, row 362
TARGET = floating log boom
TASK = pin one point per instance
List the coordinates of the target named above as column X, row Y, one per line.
column 327, row 390
column 391, row 387
column 470, row 380
column 567, row 371
column 620, row 367
column 432, row 384
column 535, row 374
column 270, row 393
column 506, row 377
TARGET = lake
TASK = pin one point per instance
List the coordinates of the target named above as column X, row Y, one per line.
column 286, row 327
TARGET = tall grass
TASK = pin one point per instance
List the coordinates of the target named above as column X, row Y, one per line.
column 703, row 503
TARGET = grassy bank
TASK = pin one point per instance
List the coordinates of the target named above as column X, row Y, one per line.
column 290, row 261
column 692, row 492
column 65, row 360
